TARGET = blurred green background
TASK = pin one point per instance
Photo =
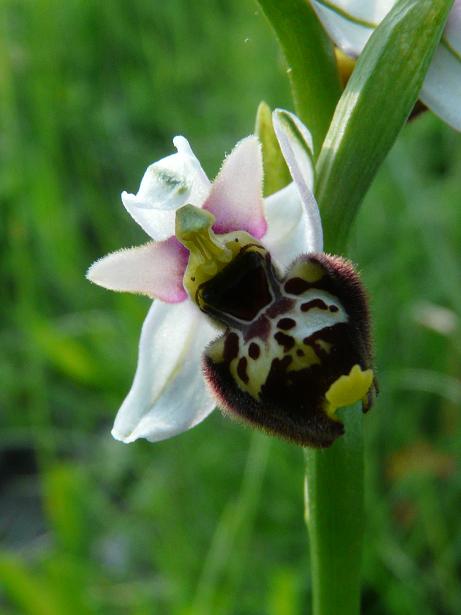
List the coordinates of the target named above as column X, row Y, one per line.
column 210, row 522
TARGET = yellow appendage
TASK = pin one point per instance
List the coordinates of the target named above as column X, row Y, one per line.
column 345, row 65
column 347, row 390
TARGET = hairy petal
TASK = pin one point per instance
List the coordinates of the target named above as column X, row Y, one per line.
column 236, row 195
column 155, row 269
column 289, row 229
column 167, row 185
column 168, row 395
column 296, row 145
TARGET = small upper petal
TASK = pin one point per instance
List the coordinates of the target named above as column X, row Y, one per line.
column 296, row 145
column 350, row 23
column 168, row 395
column 236, row 198
column 167, row 185
column 155, row 269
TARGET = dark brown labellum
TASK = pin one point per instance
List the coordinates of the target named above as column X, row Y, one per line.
column 287, row 340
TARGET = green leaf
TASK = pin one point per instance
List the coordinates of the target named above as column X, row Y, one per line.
column 311, row 63
column 378, row 99
column 28, row 592
column 65, row 491
column 66, row 352
column 276, row 173
column 283, row 592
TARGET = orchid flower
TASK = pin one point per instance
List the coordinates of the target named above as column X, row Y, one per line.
column 226, row 324
column 350, row 23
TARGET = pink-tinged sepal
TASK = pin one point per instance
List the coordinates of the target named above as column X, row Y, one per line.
column 289, row 359
column 236, row 196
column 155, row 269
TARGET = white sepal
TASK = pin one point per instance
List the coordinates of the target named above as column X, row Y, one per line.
column 155, row 269
column 167, row 185
column 168, row 395
column 441, row 91
column 349, row 23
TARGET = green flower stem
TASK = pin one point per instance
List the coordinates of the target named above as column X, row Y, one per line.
column 373, row 108
column 335, row 519
column 368, row 117
column 311, row 63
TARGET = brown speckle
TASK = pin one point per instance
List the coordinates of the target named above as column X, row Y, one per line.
column 242, row 370
column 284, row 340
column 231, row 347
column 254, row 351
column 296, row 286
column 315, row 303
column 286, row 323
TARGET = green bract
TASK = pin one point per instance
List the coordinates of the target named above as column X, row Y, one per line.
column 350, row 23
column 373, row 108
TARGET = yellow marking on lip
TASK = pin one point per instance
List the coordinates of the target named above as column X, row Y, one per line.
column 306, row 360
column 348, row 389
column 310, row 272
